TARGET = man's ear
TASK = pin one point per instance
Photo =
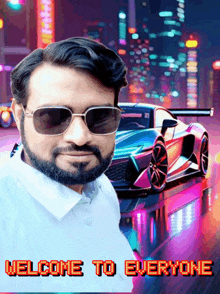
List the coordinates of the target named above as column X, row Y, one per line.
column 17, row 112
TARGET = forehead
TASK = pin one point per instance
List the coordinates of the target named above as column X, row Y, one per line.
column 53, row 85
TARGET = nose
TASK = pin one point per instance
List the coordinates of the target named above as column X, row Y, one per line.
column 78, row 132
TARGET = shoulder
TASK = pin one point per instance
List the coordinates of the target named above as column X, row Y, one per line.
column 4, row 157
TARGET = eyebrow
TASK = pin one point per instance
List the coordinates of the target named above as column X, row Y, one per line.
column 50, row 105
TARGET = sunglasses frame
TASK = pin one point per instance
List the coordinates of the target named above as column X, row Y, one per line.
column 31, row 114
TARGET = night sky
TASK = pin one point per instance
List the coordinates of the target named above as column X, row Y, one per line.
column 202, row 16
column 72, row 16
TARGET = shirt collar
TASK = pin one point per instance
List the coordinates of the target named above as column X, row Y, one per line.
column 55, row 197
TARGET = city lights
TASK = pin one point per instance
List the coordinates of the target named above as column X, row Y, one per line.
column 122, row 28
column 132, row 30
column 144, row 4
column 5, row 67
column 191, row 43
column 167, row 73
column 169, row 22
column 45, row 23
column 165, row 13
column 216, row 65
column 121, row 52
column 192, row 80
column 175, row 93
column 153, row 56
column 122, row 15
column 15, row 4
column 135, row 36
column 1, row 23
column 152, row 36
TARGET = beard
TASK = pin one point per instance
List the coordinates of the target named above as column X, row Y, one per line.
column 51, row 170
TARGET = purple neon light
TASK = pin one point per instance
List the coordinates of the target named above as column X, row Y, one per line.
column 122, row 42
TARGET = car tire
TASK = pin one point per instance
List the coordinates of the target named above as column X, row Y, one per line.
column 8, row 123
column 158, row 167
column 204, row 155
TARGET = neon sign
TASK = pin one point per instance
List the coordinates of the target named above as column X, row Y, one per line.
column 45, row 23
column 192, row 80
column 122, row 28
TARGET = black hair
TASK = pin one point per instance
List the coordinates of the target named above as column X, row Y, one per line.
column 79, row 53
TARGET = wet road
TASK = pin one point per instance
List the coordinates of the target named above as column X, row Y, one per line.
column 181, row 223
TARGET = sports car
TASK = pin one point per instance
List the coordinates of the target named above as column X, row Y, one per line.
column 153, row 147
column 6, row 116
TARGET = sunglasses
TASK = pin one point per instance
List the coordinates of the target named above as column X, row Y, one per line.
column 55, row 120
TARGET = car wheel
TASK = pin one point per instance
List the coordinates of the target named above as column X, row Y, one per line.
column 204, row 155
column 158, row 167
column 6, row 119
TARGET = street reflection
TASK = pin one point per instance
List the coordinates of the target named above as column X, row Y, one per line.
column 148, row 227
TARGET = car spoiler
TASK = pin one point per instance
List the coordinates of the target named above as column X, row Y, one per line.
column 192, row 111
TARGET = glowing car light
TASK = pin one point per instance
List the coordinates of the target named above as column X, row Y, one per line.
column 127, row 151
column 5, row 116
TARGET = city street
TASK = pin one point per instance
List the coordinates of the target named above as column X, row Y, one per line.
column 181, row 223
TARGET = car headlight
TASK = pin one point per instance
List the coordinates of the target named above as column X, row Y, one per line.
column 5, row 116
column 127, row 151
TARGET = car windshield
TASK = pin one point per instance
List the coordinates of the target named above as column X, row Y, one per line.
column 134, row 121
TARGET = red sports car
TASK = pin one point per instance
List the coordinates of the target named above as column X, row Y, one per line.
column 153, row 147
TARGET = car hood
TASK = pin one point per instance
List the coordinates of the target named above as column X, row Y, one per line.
column 134, row 138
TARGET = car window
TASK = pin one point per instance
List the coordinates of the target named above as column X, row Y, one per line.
column 134, row 120
column 160, row 116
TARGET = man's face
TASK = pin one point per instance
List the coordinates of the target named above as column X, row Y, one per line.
column 77, row 156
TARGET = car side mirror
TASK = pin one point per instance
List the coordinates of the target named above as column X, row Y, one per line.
column 168, row 123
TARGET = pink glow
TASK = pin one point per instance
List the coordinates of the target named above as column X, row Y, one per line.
column 143, row 181
column 151, row 230
column 122, row 42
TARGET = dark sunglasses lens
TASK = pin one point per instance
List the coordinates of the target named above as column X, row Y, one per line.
column 103, row 120
column 52, row 121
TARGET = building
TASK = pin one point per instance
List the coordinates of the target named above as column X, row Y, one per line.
column 157, row 61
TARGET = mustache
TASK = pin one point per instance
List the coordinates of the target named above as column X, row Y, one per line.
column 74, row 147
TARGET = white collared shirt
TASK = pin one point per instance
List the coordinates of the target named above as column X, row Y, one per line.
column 41, row 219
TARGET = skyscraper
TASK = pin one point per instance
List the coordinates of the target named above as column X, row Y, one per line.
column 158, row 69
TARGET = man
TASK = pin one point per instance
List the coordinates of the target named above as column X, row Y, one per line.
column 55, row 202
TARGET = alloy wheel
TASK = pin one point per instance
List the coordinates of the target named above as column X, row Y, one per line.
column 204, row 155
column 158, row 167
